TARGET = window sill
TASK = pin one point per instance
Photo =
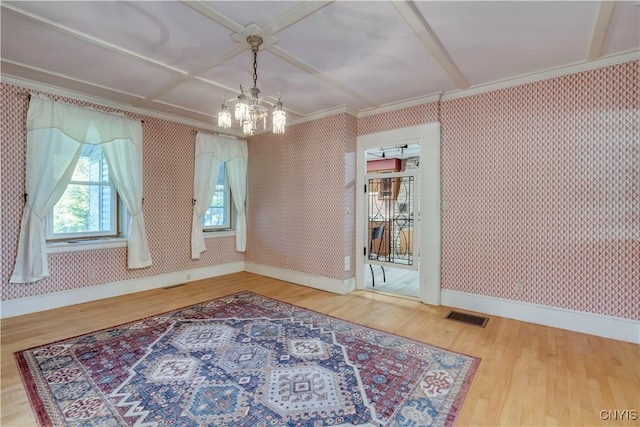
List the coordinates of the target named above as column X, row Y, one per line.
column 221, row 233
column 85, row 245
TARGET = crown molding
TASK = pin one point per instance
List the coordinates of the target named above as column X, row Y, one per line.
column 399, row 105
column 320, row 115
column 326, row 113
column 54, row 90
column 632, row 55
column 63, row 29
column 551, row 73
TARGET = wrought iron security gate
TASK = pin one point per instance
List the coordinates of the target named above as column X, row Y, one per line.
column 390, row 201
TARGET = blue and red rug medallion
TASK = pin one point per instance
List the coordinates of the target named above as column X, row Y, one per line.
column 244, row 360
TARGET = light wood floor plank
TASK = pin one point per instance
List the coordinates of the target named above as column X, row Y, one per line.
column 530, row 375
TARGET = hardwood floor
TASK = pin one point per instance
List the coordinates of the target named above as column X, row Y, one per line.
column 530, row 375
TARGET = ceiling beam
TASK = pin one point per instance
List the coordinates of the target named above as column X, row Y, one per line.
column 38, row 76
column 182, row 77
column 214, row 15
column 286, row 20
column 412, row 16
column 295, row 15
column 217, row 60
column 305, row 66
column 63, row 29
column 600, row 29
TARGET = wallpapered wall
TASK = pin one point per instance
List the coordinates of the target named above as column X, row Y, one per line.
column 542, row 182
column 168, row 150
column 301, row 186
column 543, row 186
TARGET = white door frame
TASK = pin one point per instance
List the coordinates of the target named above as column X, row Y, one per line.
column 428, row 136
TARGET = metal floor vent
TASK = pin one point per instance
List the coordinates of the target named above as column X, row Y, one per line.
column 467, row 318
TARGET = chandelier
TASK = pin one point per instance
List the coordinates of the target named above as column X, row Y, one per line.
column 249, row 110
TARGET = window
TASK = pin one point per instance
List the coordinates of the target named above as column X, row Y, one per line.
column 89, row 206
column 218, row 215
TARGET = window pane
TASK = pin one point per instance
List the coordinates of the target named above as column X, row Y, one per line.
column 88, row 206
column 83, row 209
column 218, row 213
column 214, row 217
column 91, row 166
column 222, row 177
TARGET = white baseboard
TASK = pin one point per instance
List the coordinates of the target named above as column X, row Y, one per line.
column 20, row 306
column 342, row 287
column 589, row 323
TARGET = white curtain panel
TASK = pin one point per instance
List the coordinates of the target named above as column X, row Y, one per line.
column 237, row 172
column 46, row 182
column 55, row 132
column 210, row 151
column 124, row 157
column 205, row 175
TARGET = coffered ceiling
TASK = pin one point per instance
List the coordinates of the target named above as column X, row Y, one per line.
column 179, row 58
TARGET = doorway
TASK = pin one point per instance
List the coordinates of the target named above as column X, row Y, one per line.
column 398, row 212
column 392, row 198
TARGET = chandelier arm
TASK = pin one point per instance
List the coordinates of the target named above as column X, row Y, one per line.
column 262, row 100
column 232, row 100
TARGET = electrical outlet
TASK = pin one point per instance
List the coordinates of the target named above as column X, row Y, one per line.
column 91, row 273
column 188, row 276
column 518, row 288
column 347, row 263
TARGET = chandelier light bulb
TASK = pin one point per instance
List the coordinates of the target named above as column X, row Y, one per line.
column 224, row 116
column 224, row 119
column 247, row 127
column 279, row 118
column 242, row 107
column 279, row 121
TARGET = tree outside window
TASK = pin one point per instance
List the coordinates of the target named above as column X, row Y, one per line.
column 217, row 217
column 88, row 207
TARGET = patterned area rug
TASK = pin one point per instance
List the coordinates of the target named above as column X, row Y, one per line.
column 244, row 360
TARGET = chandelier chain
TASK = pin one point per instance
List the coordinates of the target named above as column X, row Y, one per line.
column 255, row 67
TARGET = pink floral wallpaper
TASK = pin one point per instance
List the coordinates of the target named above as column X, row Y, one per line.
column 542, row 183
column 405, row 117
column 548, row 194
column 168, row 190
column 300, row 188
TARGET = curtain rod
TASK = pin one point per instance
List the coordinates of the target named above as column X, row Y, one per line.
column 27, row 95
column 194, row 132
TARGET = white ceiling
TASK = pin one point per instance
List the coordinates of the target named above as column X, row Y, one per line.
column 180, row 58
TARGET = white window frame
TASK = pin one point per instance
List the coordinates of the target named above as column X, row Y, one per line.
column 114, row 237
column 216, row 229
